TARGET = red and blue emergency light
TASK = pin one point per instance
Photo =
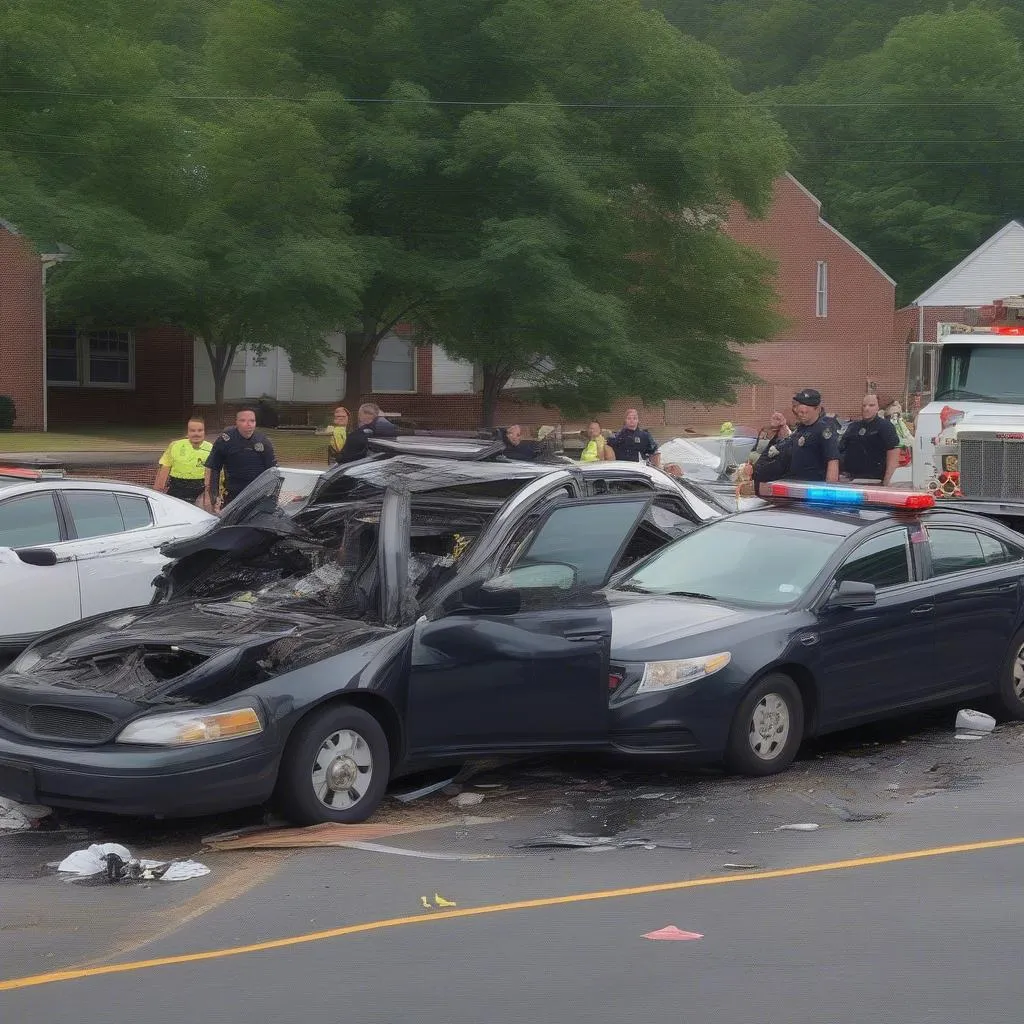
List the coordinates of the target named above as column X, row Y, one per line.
column 846, row 494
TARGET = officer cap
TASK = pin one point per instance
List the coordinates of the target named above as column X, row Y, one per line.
column 808, row 397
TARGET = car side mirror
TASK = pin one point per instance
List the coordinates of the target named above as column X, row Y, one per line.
column 850, row 594
column 37, row 556
column 503, row 595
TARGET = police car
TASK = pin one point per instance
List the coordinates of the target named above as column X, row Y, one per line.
column 468, row 610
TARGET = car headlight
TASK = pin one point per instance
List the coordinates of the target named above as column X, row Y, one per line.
column 25, row 661
column 663, row 675
column 183, row 728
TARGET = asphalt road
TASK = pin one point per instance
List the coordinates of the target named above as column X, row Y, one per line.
column 836, row 924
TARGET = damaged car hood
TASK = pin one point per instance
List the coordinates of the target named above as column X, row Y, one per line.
column 195, row 653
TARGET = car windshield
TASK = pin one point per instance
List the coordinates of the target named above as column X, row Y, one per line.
column 735, row 562
column 991, row 373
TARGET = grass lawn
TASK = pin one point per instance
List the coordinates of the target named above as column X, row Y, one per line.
column 292, row 446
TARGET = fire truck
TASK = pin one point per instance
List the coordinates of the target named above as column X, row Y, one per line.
column 969, row 435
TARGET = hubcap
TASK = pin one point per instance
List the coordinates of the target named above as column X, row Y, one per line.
column 769, row 726
column 342, row 770
column 1018, row 674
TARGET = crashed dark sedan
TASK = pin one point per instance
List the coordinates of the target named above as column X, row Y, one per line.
column 314, row 644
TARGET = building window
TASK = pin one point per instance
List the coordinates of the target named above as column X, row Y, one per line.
column 96, row 359
column 821, row 291
column 394, row 367
column 62, row 356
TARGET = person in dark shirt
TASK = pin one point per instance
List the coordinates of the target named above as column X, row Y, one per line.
column 370, row 423
column 870, row 448
column 242, row 453
column 516, row 448
column 631, row 444
column 813, row 446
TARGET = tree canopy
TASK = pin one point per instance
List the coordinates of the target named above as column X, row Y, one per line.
column 529, row 180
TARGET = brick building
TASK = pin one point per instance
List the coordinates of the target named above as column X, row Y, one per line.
column 838, row 303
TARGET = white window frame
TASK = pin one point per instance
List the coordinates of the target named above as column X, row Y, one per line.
column 83, row 354
column 415, row 371
column 821, row 290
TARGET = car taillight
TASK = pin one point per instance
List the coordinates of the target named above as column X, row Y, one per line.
column 614, row 681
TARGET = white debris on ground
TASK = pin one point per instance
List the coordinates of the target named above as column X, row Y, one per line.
column 972, row 725
column 15, row 817
column 99, row 857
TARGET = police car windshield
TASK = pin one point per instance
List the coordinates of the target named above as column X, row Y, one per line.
column 736, row 563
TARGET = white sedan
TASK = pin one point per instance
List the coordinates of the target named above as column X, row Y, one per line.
column 74, row 548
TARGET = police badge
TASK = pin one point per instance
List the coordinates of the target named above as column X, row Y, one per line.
column 225, row 437
column 258, row 446
column 826, row 434
column 801, row 441
column 862, row 431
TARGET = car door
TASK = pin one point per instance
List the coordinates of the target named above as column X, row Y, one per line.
column 976, row 583
column 34, row 596
column 116, row 548
column 533, row 676
column 874, row 660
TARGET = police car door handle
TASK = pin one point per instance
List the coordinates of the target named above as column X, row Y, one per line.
column 809, row 639
column 923, row 609
column 585, row 637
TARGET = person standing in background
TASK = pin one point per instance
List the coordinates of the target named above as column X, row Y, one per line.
column 597, row 448
column 339, row 432
column 183, row 464
column 242, row 453
column 631, row 444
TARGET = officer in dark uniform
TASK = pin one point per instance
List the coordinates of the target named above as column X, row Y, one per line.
column 870, row 448
column 242, row 453
column 369, row 423
column 631, row 444
column 814, row 445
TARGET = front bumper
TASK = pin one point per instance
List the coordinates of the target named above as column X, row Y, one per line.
column 689, row 721
column 135, row 780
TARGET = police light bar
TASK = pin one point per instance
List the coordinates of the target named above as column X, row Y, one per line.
column 845, row 494
column 19, row 473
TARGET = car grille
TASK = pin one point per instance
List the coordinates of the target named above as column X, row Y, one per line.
column 56, row 723
column 991, row 468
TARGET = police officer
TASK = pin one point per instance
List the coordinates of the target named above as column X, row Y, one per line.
column 242, row 453
column 369, row 423
column 870, row 448
column 518, row 449
column 631, row 444
column 183, row 464
column 814, row 446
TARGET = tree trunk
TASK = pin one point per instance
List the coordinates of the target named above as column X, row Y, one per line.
column 360, row 349
column 494, row 380
column 221, row 355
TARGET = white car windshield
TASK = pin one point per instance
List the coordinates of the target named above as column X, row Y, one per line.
column 736, row 563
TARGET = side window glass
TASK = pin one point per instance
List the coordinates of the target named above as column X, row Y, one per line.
column 29, row 521
column 135, row 511
column 620, row 485
column 95, row 513
column 883, row 561
column 587, row 537
column 996, row 552
column 954, row 551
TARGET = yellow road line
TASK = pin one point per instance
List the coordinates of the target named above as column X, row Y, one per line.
column 74, row 974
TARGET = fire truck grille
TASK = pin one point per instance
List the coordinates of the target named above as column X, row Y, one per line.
column 991, row 469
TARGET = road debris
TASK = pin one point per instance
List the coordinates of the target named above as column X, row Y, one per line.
column 670, row 933
column 802, row 826
column 467, row 800
column 329, row 834
column 742, row 867
column 117, row 862
column 15, row 817
column 440, row 901
column 969, row 721
column 565, row 841
column 401, row 851
column 845, row 813
column 422, row 791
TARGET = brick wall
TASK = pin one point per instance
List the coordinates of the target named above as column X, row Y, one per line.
column 162, row 393
column 21, row 329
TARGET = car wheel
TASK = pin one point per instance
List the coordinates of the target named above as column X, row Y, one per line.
column 1010, row 695
column 767, row 729
column 335, row 767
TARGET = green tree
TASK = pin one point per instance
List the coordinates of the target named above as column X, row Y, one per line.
column 916, row 146
column 225, row 219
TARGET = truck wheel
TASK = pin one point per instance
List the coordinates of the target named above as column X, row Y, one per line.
column 1010, row 693
column 767, row 729
column 335, row 767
